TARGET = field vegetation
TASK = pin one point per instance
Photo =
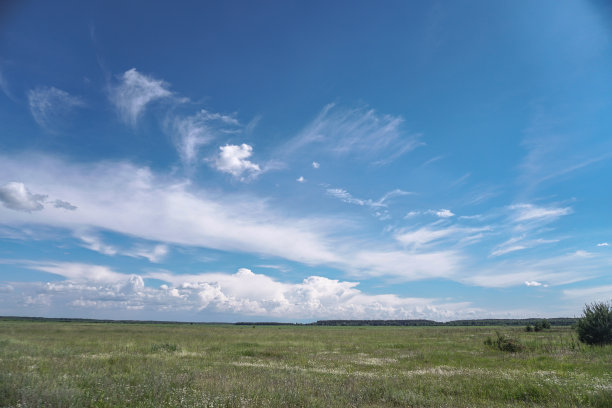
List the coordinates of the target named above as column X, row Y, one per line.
column 64, row 364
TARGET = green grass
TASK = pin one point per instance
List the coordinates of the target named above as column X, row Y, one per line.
column 55, row 364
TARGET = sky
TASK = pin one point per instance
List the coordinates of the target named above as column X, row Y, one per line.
column 295, row 161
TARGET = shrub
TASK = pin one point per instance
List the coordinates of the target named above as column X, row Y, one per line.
column 504, row 343
column 167, row 347
column 528, row 328
column 595, row 326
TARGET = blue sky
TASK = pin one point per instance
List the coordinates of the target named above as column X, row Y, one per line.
column 294, row 161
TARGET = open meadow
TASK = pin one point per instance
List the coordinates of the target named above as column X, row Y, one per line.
column 56, row 364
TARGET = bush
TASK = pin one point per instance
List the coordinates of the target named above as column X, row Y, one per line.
column 595, row 326
column 167, row 347
column 528, row 328
column 504, row 343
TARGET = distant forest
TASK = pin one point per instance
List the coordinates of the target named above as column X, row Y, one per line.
column 557, row 321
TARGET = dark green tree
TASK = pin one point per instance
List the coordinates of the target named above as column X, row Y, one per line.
column 595, row 325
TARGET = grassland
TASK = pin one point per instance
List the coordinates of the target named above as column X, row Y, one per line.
column 56, row 364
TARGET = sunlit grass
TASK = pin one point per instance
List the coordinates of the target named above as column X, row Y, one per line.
column 76, row 364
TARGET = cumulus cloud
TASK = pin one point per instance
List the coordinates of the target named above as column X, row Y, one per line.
column 51, row 107
column 301, row 179
column 190, row 133
column 602, row 244
column 315, row 165
column 359, row 131
column 17, row 197
column 233, row 159
column 90, row 289
column 134, row 92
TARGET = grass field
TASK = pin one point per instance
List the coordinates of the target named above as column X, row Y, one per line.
column 57, row 364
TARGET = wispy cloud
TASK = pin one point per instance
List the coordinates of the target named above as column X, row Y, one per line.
column 189, row 216
column 315, row 165
column 51, row 107
column 554, row 270
column 360, row 131
column 134, row 92
column 190, row 133
column 155, row 253
column 590, row 294
column 518, row 244
column 345, row 196
column 552, row 151
column 602, row 244
column 531, row 212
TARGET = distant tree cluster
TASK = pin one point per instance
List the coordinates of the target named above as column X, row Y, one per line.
column 538, row 326
column 595, row 326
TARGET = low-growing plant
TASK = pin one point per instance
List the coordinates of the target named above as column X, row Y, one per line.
column 168, row 347
column 595, row 325
column 504, row 343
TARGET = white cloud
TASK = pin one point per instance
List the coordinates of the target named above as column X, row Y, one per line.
column 530, row 212
column 443, row 213
column 556, row 270
column 315, row 165
column 301, row 179
column 232, row 159
column 518, row 244
column 186, row 215
column 359, row 131
column 134, row 92
column 154, row 253
column 602, row 244
column 50, row 106
column 16, row 196
column 431, row 235
column 78, row 272
column 534, row 283
column 91, row 288
column 345, row 196
column 95, row 244
column 590, row 294
column 507, row 249
column 190, row 133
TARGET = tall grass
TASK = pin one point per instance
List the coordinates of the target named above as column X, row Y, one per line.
column 107, row 365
